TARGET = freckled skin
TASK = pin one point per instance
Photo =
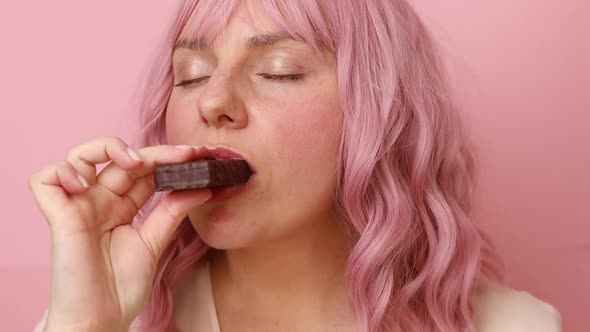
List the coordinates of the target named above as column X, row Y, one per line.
column 289, row 130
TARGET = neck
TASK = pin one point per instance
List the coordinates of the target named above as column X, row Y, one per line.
column 305, row 270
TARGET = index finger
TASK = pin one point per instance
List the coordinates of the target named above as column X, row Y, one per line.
column 119, row 180
column 85, row 157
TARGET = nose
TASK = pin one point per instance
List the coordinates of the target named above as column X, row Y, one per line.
column 220, row 105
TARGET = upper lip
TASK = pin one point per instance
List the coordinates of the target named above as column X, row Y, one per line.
column 221, row 153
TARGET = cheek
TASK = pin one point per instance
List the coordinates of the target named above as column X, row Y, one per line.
column 308, row 136
column 178, row 130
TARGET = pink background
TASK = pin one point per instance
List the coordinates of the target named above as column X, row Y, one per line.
column 520, row 69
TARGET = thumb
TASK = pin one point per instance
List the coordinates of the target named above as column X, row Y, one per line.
column 158, row 228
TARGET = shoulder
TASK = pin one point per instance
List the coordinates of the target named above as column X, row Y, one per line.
column 498, row 308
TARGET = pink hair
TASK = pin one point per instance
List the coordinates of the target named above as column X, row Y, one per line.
column 406, row 171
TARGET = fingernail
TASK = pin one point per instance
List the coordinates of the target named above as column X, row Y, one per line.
column 183, row 147
column 133, row 154
column 82, row 180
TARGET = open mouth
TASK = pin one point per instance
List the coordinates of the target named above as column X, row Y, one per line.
column 226, row 192
column 221, row 154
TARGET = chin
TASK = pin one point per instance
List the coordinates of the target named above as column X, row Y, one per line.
column 222, row 245
column 224, row 233
column 217, row 240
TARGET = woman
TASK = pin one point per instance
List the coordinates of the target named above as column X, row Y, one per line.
column 357, row 217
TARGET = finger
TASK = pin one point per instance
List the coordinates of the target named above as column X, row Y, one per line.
column 51, row 185
column 158, row 228
column 85, row 157
column 141, row 191
column 62, row 174
column 119, row 180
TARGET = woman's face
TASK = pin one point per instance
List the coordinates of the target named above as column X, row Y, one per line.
column 288, row 129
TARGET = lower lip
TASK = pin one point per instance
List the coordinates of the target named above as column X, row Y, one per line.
column 227, row 192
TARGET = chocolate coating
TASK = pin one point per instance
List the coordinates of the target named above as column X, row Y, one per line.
column 201, row 174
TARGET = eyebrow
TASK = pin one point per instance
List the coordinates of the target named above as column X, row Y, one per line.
column 263, row 40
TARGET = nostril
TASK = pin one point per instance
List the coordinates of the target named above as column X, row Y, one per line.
column 224, row 118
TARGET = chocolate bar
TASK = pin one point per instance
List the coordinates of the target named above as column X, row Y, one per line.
column 201, row 174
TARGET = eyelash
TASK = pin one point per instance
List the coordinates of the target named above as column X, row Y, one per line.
column 292, row 77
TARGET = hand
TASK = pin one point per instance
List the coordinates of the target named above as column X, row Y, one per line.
column 102, row 267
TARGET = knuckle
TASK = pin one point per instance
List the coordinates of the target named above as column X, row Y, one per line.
column 72, row 151
column 35, row 178
column 130, row 176
column 62, row 164
column 147, row 152
column 171, row 208
column 71, row 155
column 115, row 140
column 75, row 152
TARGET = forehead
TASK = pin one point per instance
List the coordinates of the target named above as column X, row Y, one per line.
column 209, row 23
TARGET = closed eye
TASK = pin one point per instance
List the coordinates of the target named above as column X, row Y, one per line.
column 291, row 77
column 194, row 80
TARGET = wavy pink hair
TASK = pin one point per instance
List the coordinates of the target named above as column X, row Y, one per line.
column 406, row 172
